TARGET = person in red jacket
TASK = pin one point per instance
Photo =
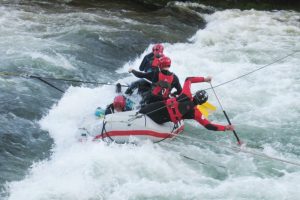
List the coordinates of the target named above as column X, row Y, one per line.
column 183, row 107
column 150, row 63
column 163, row 81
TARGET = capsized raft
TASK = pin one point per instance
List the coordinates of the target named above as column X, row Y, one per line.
column 126, row 127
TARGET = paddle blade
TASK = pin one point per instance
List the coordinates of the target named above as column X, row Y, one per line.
column 203, row 110
column 209, row 106
column 206, row 108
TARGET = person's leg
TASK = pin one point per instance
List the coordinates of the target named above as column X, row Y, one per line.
column 156, row 111
column 144, row 86
column 133, row 86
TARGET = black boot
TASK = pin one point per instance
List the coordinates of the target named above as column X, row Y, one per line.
column 118, row 88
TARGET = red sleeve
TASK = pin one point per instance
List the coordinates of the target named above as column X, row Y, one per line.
column 206, row 123
column 187, row 85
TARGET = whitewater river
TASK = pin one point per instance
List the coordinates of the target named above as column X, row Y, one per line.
column 41, row 158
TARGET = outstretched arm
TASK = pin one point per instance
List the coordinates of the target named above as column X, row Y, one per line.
column 147, row 75
column 177, row 86
column 188, row 82
column 208, row 125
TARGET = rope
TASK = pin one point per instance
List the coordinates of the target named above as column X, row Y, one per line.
column 167, row 145
column 226, row 116
column 56, row 79
column 260, row 68
column 244, row 150
column 240, row 149
column 246, row 74
column 51, row 85
column 202, row 163
column 137, row 116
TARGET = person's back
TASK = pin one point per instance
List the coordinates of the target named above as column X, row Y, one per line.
column 163, row 81
column 149, row 63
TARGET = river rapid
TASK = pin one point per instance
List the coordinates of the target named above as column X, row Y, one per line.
column 40, row 155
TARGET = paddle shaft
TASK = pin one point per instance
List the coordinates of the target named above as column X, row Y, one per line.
column 235, row 134
column 228, row 120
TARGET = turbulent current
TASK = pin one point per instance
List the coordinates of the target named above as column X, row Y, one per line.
column 253, row 57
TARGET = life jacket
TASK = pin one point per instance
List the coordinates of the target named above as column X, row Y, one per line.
column 178, row 109
column 163, row 85
column 155, row 62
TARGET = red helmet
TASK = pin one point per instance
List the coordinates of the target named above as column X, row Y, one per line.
column 164, row 62
column 119, row 102
column 158, row 48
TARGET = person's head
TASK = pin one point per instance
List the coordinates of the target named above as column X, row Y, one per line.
column 158, row 49
column 164, row 62
column 119, row 103
column 200, row 97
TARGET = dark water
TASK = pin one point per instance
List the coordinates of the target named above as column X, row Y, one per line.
column 85, row 40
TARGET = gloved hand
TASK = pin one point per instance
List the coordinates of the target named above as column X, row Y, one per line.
column 229, row 128
column 130, row 70
column 208, row 79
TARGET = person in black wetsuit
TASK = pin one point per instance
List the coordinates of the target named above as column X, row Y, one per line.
column 163, row 81
column 183, row 106
column 120, row 104
column 149, row 63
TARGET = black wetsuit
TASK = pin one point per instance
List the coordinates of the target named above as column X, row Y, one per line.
column 159, row 113
column 142, row 85
column 154, row 77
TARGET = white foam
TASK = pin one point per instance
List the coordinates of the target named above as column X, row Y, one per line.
column 233, row 43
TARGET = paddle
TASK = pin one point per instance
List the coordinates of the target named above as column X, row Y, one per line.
column 229, row 122
column 206, row 108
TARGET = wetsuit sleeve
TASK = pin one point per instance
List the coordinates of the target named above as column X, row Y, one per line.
column 109, row 109
column 206, row 123
column 187, row 85
column 146, row 64
column 148, row 75
column 177, row 85
column 143, row 64
column 195, row 79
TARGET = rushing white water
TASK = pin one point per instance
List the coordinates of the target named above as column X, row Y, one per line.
column 264, row 106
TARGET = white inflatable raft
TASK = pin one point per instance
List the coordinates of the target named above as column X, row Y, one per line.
column 125, row 127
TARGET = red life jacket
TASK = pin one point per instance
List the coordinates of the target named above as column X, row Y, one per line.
column 163, row 85
column 155, row 62
column 177, row 109
column 172, row 106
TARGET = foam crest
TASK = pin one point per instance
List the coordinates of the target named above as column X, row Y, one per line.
column 232, row 44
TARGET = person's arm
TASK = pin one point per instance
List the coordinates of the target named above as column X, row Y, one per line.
column 208, row 125
column 143, row 64
column 109, row 109
column 148, row 75
column 177, row 86
column 188, row 82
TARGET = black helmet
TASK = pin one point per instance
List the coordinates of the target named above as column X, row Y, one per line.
column 200, row 97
